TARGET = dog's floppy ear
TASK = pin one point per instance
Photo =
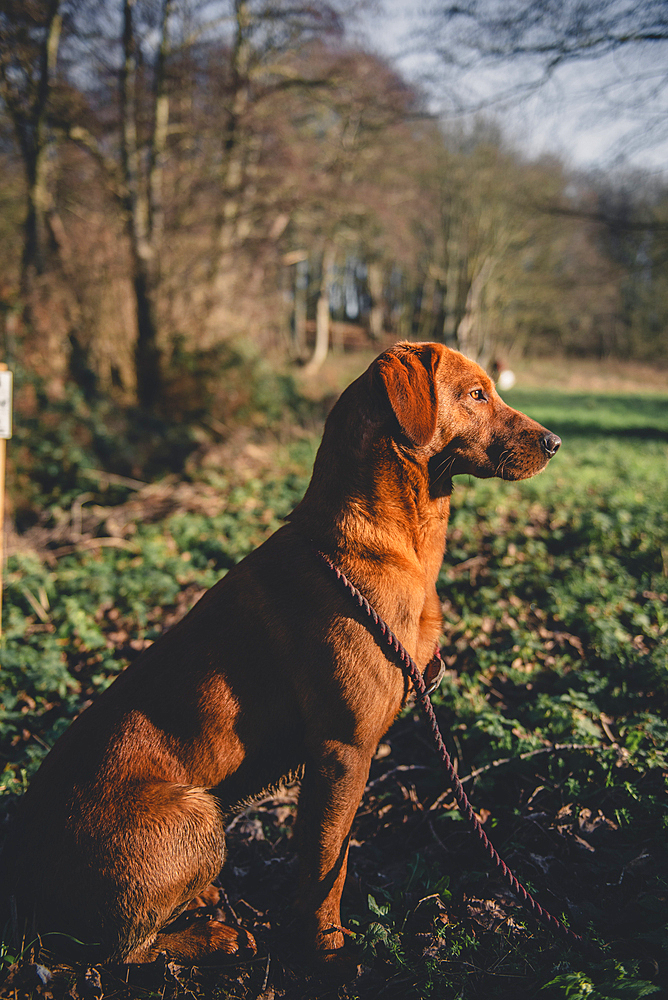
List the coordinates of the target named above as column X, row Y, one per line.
column 407, row 373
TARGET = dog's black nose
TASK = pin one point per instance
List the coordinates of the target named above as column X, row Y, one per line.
column 551, row 444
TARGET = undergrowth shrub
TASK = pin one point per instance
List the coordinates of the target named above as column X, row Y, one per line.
column 228, row 383
column 63, row 442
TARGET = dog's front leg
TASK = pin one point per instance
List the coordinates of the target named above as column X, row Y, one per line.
column 333, row 784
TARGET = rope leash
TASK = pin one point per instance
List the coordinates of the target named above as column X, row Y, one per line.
column 399, row 655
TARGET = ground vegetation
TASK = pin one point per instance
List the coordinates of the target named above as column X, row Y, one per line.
column 554, row 706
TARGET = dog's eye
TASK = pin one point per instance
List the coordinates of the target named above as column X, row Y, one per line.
column 478, row 394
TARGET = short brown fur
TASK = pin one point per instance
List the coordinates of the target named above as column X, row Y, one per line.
column 272, row 670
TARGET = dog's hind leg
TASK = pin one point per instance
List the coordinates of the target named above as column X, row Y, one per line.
column 171, row 847
column 200, row 934
column 202, row 942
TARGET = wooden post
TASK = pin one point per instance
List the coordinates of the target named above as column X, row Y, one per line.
column 5, row 432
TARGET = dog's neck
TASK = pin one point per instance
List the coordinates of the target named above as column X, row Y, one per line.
column 370, row 494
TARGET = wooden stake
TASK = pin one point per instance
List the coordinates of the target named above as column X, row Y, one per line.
column 3, row 453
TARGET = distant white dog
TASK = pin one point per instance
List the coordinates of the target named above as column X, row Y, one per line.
column 506, row 380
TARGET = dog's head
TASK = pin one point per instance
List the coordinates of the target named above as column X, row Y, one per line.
column 448, row 411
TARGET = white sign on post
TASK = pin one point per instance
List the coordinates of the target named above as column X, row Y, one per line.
column 5, row 404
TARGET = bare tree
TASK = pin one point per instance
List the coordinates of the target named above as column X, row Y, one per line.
column 135, row 176
column 266, row 38
column 356, row 169
column 142, row 172
column 529, row 41
column 29, row 39
column 553, row 31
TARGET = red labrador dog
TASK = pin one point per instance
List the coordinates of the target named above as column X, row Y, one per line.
column 272, row 672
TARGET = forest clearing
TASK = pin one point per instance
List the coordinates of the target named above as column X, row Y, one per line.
column 554, row 707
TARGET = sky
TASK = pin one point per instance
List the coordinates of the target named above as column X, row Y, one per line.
column 580, row 115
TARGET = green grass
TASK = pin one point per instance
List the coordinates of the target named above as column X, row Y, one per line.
column 593, row 414
column 555, row 596
column 568, row 610
column 559, row 634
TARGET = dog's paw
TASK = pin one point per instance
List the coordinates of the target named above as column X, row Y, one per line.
column 338, row 966
column 336, row 957
column 207, row 942
column 224, row 940
column 210, row 896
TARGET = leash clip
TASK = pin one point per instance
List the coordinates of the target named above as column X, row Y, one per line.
column 434, row 672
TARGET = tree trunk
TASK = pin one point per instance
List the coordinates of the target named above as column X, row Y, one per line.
column 159, row 136
column 451, row 297
column 144, row 204
column 147, row 354
column 426, row 319
column 232, row 170
column 33, row 258
column 31, row 135
column 469, row 340
column 322, row 324
column 301, row 290
column 375, row 278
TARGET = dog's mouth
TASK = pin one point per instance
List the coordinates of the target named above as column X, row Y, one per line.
column 512, row 457
column 514, row 463
column 513, row 474
column 503, row 460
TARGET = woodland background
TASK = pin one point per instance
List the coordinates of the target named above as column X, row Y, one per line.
column 181, row 176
